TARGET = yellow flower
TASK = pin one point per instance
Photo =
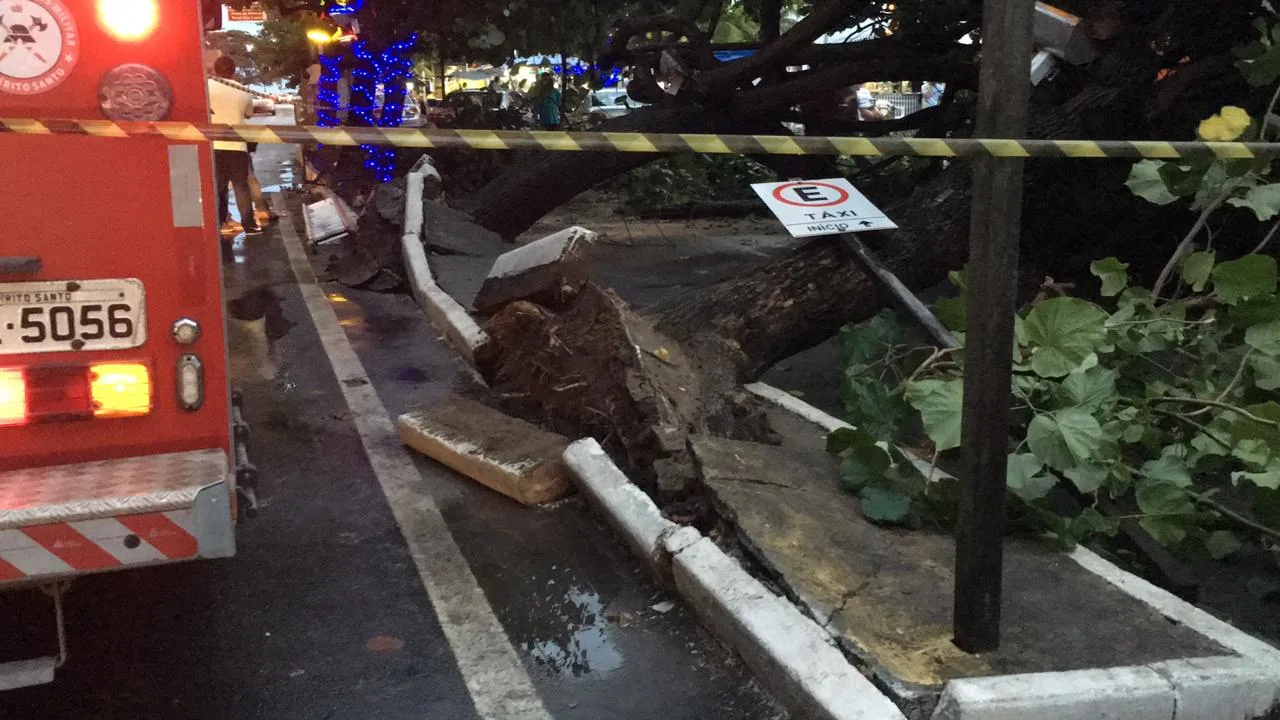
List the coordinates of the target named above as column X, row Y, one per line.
column 1226, row 126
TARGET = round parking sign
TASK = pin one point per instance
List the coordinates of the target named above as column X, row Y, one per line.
column 39, row 45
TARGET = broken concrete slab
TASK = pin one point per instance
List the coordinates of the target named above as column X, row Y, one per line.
column 453, row 232
column 549, row 272
column 432, row 183
column 508, row 455
column 885, row 593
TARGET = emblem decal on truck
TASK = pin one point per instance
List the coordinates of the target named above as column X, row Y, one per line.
column 39, row 45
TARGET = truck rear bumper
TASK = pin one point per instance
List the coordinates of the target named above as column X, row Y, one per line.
column 69, row 520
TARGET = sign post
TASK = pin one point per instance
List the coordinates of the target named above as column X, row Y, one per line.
column 810, row 208
column 995, row 225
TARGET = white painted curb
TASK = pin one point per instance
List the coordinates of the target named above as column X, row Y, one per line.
column 789, row 653
column 444, row 312
column 630, row 511
column 1216, row 688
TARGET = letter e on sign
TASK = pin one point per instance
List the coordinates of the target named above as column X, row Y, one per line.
column 805, row 207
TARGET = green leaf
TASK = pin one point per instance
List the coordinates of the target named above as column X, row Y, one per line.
column 1211, row 186
column 1161, row 497
column 1252, row 452
column 1183, row 180
column 1091, row 522
column 1196, row 268
column 1146, row 182
column 1263, row 200
column 1207, row 446
column 869, row 341
column 1250, row 276
column 1263, row 70
column 1168, row 468
column 1064, row 331
column 1243, row 428
column 1113, row 274
column 1088, row 477
column 1266, row 372
column 953, row 312
column 1264, row 338
column 869, row 405
column 1262, row 309
column 862, row 461
column 940, row 403
column 1222, row 543
column 1166, row 531
column 885, row 505
column 1024, row 479
column 1269, row 479
column 1093, row 389
column 1065, row 439
column 842, row 439
column 1266, row 506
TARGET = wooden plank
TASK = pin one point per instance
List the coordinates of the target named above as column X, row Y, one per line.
column 1004, row 93
column 503, row 453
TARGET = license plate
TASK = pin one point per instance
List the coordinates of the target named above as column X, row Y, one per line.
column 80, row 315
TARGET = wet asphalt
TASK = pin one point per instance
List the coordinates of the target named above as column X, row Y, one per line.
column 321, row 614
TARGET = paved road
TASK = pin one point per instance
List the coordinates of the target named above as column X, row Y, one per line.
column 488, row 609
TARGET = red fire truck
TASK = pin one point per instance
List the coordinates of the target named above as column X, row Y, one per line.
column 118, row 433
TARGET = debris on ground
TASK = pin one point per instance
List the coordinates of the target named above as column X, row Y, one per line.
column 511, row 456
column 549, row 271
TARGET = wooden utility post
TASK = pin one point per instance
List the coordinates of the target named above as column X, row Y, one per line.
column 1003, row 97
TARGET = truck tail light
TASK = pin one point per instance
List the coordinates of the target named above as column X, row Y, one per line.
column 13, row 398
column 129, row 20
column 120, row 390
column 61, row 393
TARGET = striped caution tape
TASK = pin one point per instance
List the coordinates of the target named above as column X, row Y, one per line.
column 646, row 142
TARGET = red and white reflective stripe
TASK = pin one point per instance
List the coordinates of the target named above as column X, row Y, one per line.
column 94, row 545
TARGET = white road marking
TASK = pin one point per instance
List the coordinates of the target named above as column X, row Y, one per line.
column 499, row 684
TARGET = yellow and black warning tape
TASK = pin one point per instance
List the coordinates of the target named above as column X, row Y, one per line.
column 645, row 142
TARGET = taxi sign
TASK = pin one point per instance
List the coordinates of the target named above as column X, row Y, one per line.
column 822, row 207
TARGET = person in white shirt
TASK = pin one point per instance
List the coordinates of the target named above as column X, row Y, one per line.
column 231, row 106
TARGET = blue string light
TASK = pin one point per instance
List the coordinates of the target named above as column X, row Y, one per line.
column 329, row 100
column 389, row 70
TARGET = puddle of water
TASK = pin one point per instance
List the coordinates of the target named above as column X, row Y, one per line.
column 579, row 643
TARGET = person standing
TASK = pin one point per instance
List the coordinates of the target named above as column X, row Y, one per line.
column 232, row 106
column 546, row 102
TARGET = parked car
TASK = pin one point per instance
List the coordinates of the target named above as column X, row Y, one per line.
column 612, row 102
column 476, row 108
column 412, row 117
column 264, row 106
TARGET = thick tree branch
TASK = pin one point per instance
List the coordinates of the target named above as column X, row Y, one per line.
column 816, row 24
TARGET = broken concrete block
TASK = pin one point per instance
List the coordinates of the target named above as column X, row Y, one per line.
column 505, row 454
column 453, row 232
column 432, row 183
column 546, row 271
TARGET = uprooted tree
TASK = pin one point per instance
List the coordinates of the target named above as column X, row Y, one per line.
column 1163, row 66
column 633, row 381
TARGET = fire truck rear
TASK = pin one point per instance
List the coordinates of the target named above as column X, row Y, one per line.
column 116, row 422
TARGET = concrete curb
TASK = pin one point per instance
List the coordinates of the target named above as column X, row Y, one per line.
column 444, row 312
column 789, row 653
column 1214, row 688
